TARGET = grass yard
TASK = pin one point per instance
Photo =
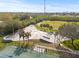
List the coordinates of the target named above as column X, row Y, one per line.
column 63, row 18
column 2, row 45
column 54, row 24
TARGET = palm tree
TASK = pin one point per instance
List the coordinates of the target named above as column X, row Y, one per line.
column 21, row 34
column 28, row 34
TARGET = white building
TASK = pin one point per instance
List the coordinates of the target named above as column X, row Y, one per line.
column 36, row 34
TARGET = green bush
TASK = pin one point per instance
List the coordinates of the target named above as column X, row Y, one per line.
column 69, row 44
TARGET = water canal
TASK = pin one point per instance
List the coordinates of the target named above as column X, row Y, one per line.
column 14, row 52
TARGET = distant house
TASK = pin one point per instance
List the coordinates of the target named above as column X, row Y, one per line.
column 24, row 17
column 30, row 17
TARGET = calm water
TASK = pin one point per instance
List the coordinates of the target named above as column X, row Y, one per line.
column 14, row 52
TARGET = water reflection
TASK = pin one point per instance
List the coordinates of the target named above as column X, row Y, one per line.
column 19, row 50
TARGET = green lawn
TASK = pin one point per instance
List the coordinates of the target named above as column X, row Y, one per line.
column 45, row 29
column 54, row 24
column 63, row 18
column 2, row 45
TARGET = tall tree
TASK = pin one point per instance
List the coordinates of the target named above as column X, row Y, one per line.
column 21, row 34
column 28, row 34
column 70, row 31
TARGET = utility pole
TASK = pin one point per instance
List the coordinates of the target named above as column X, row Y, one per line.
column 44, row 6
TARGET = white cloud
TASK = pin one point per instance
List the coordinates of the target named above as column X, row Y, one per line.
column 18, row 6
column 63, row 8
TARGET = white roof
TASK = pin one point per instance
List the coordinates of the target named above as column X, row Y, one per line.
column 36, row 34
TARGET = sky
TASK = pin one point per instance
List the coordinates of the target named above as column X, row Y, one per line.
column 38, row 5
